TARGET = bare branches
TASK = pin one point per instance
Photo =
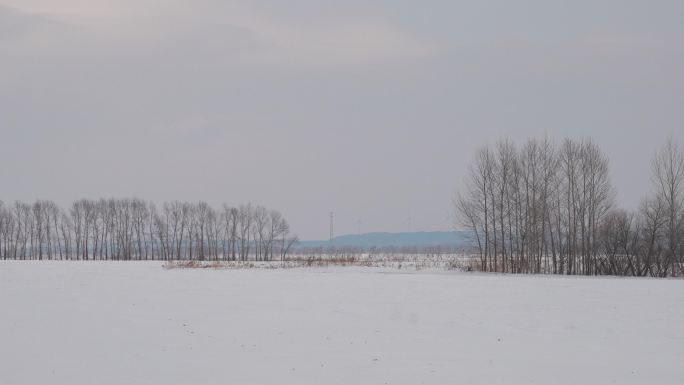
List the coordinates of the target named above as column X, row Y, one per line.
column 548, row 209
column 133, row 229
column 668, row 177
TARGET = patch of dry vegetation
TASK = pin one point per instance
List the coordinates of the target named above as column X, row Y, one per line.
column 414, row 262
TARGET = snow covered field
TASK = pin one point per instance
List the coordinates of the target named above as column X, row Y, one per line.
column 90, row 323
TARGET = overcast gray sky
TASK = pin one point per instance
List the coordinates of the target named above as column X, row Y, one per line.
column 369, row 109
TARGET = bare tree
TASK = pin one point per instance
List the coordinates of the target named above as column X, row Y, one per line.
column 538, row 208
column 245, row 216
column 668, row 176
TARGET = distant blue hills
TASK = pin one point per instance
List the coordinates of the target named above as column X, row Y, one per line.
column 409, row 239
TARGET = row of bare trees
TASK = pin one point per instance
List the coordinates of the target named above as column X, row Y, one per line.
column 133, row 229
column 547, row 208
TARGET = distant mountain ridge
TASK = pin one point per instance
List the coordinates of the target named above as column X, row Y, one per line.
column 381, row 239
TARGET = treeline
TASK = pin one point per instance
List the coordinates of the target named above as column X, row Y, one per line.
column 547, row 208
column 133, row 229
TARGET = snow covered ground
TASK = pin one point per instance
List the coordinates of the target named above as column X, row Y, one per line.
column 90, row 323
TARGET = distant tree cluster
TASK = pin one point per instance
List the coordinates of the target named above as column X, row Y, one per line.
column 133, row 229
column 546, row 208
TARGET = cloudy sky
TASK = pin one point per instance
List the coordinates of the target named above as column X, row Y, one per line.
column 368, row 109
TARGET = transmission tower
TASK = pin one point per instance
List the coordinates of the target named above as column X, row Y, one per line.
column 332, row 234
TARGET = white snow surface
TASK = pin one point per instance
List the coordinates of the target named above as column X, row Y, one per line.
column 133, row 323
